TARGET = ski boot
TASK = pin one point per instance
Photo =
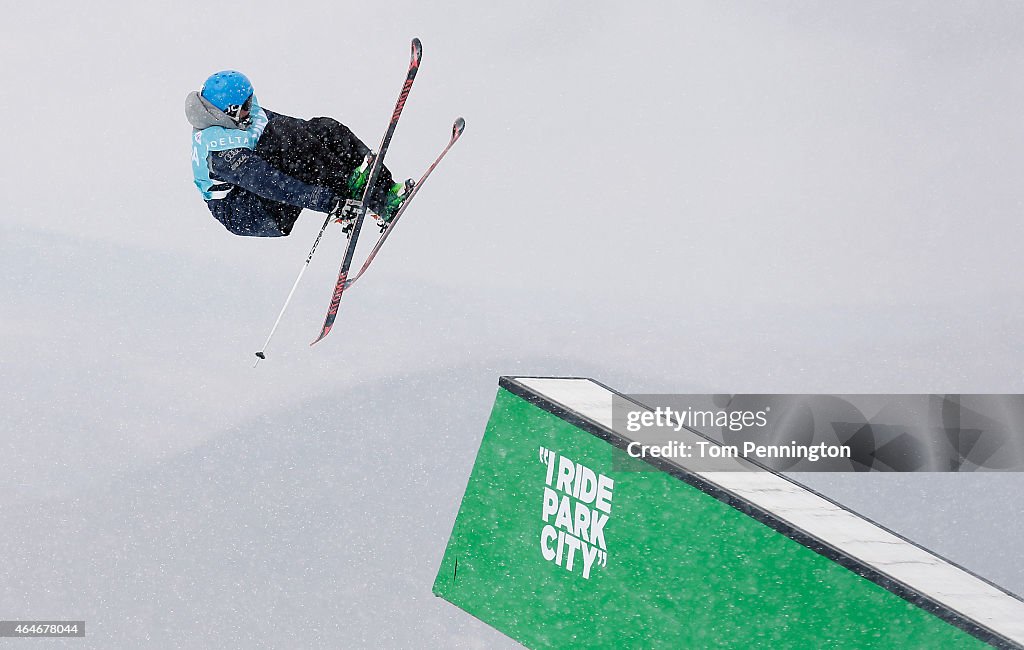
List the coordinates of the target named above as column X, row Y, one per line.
column 357, row 179
column 343, row 212
column 393, row 200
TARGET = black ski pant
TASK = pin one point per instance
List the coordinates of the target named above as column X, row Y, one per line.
column 320, row 151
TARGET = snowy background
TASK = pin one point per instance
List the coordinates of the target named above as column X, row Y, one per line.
column 702, row 197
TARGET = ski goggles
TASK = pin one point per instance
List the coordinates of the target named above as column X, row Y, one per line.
column 239, row 112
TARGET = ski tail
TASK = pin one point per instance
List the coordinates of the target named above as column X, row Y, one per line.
column 457, row 128
column 378, row 162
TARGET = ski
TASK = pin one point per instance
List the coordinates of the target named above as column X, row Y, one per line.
column 457, row 128
column 357, row 209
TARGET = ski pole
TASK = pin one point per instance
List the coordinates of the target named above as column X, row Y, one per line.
column 262, row 354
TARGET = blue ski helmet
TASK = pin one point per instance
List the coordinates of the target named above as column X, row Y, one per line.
column 227, row 88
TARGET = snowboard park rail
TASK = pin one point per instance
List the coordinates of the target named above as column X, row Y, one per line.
column 564, row 540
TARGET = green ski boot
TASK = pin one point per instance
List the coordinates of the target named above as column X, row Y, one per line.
column 393, row 200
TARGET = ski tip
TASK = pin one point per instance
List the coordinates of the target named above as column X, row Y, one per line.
column 417, row 50
column 324, row 332
column 458, row 127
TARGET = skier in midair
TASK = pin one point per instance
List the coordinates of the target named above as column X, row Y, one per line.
column 258, row 169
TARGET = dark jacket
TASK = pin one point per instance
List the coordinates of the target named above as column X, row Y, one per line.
column 296, row 164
